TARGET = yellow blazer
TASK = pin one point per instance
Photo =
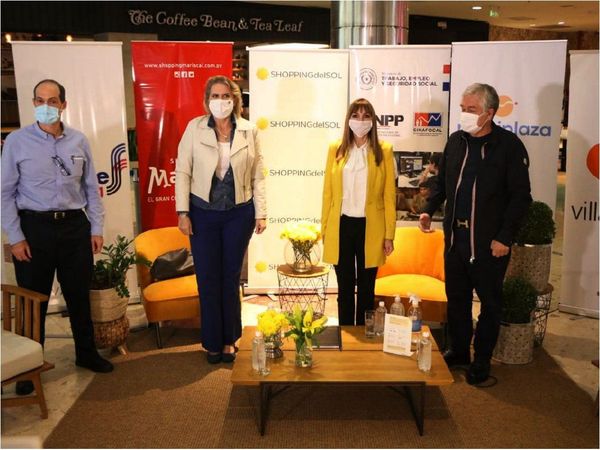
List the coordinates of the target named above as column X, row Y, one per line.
column 380, row 205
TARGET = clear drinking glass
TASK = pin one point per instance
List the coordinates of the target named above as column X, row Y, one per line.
column 370, row 323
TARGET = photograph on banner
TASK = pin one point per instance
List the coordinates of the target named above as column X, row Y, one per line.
column 96, row 107
column 169, row 79
column 417, row 171
column 298, row 100
column 529, row 78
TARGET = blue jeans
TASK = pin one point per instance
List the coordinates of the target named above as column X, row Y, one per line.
column 219, row 242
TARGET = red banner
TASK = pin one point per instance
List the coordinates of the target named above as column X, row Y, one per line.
column 169, row 80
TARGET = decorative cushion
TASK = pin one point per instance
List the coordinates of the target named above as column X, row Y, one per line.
column 426, row 287
column 19, row 354
column 173, row 289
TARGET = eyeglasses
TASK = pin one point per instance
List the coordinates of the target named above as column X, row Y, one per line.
column 61, row 165
column 50, row 102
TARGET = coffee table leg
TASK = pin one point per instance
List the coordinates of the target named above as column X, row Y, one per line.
column 265, row 398
column 420, row 414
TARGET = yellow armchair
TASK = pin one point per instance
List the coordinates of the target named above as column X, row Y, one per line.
column 415, row 266
column 173, row 299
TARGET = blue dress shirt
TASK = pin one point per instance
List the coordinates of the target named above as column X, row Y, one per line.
column 44, row 173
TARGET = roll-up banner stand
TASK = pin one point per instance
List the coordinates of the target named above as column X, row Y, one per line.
column 529, row 78
column 92, row 74
column 298, row 102
column 409, row 88
column 579, row 282
column 169, row 79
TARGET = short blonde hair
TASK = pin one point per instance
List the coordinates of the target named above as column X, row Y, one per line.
column 233, row 87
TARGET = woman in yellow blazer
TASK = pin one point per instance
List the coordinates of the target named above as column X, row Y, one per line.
column 358, row 218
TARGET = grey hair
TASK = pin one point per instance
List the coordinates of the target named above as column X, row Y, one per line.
column 487, row 93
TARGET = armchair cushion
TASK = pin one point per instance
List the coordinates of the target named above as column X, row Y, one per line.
column 425, row 286
column 172, row 289
column 19, row 354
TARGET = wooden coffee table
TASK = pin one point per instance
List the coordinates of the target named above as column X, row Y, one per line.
column 360, row 362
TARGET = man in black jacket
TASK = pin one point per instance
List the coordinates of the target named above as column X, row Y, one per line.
column 484, row 178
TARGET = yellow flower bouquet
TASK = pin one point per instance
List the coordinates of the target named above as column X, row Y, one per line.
column 303, row 236
column 303, row 329
column 270, row 324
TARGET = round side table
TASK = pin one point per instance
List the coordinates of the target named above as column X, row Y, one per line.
column 303, row 289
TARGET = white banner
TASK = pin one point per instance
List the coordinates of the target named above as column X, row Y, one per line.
column 92, row 74
column 529, row 78
column 579, row 283
column 409, row 88
column 298, row 100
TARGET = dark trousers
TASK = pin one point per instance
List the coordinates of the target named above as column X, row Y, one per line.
column 62, row 246
column 219, row 243
column 485, row 275
column 350, row 271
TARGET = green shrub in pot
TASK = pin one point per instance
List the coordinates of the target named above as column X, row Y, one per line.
column 538, row 227
column 518, row 300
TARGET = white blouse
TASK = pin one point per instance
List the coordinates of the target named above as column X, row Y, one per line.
column 224, row 156
column 354, row 182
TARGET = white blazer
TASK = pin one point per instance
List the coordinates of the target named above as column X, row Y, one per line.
column 197, row 159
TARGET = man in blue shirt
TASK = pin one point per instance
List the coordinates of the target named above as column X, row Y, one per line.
column 53, row 215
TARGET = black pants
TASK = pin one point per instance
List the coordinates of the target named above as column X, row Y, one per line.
column 62, row 246
column 485, row 275
column 350, row 271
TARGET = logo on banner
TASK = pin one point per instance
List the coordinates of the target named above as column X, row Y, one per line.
column 427, row 124
column 184, row 74
column 110, row 185
column 263, row 123
column 592, row 160
column 367, row 78
column 505, row 106
column 262, row 73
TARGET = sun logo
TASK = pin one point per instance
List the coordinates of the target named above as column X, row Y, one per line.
column 261, row 266
column 262, row 123
column 592, row 160
column 262, row 73
column 505, row 106
column 265, row 172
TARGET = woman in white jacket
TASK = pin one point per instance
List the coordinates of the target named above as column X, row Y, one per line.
column 220, row 200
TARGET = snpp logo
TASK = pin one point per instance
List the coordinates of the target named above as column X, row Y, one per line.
column 367, row 78
column 505, row 106
column 262, row 73
column 117, row 163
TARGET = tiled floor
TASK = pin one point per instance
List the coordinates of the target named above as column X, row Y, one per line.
column 571, row 340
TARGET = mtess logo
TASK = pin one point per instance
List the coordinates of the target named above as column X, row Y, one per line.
column 118, row 163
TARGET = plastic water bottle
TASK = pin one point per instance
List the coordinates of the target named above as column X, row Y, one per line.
column 414, row 312
column 380, row 318
column 397, row 308
column 259, row 354
column 424, row 355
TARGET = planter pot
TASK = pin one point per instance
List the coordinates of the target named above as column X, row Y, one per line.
column 531, row 262
column 515, row 343
column 106, row 305
column 111, row 334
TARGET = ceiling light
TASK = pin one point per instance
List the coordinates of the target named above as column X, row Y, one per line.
column 562, row 22
column 476, row 8
column 69, row 38
column 8, row 37
column 532, row 25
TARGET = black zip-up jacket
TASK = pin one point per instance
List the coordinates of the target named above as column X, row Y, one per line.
column 501, row 192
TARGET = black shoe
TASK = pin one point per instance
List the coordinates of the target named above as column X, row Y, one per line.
column 24, row 387
column 456, row 359
column 228, row 357
column 478, row 372
column 213, row 358
column 95, row 364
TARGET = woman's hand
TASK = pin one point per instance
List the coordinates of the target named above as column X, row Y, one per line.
column 388, row 247
column 261, row 225
column 185, row 224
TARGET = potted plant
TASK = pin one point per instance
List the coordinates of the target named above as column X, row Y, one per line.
column 516, row 337
column 532, row 251
column 109, row 294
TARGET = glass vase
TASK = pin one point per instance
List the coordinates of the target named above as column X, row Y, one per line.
column 304, row 356
column 302, row 256
column 273, row 346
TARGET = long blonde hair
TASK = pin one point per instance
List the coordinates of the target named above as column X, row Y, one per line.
column 348, row 137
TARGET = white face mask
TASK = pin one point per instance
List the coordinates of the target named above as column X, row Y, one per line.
column 220, row 108
column 360, row 127
column 468, row 122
